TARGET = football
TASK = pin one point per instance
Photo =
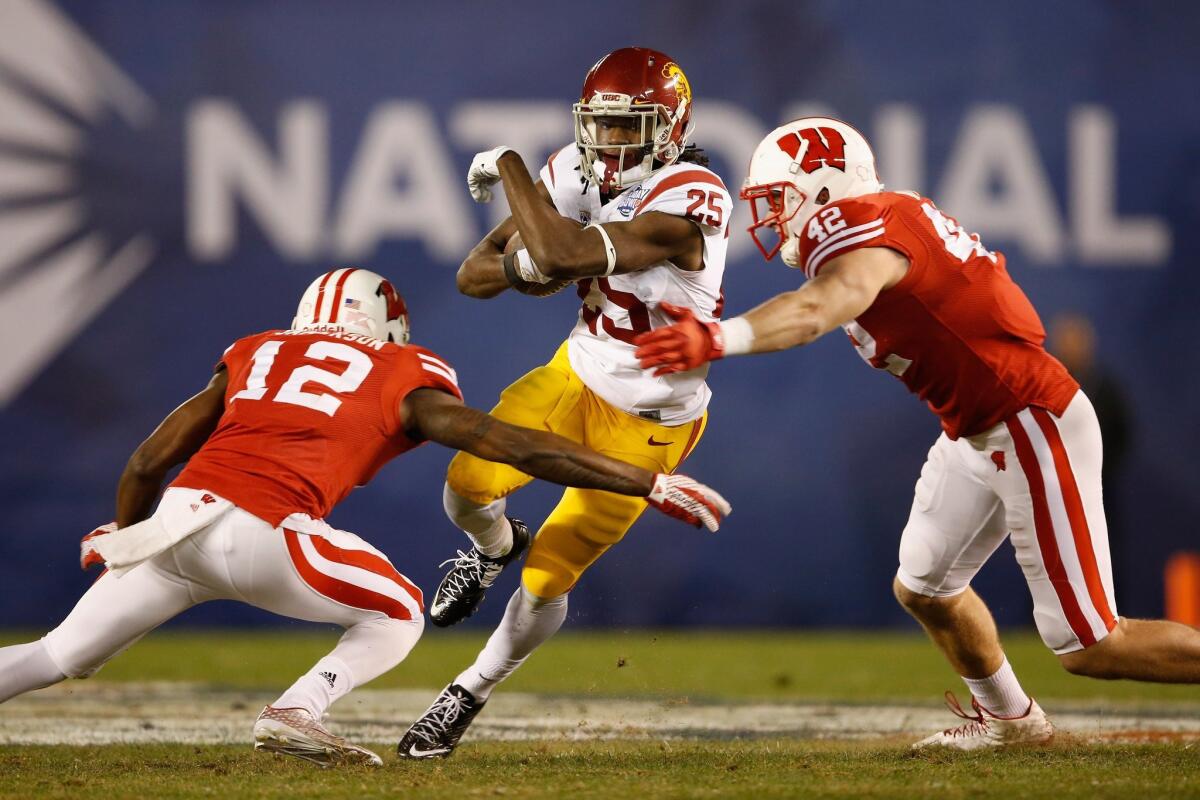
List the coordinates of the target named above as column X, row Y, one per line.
column 533, row 289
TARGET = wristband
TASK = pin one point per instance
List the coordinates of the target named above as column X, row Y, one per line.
column 610, row 252
column 738, row 334
column 510, row 270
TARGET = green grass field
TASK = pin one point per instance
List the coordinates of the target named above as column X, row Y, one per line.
column 754, row 769
column 848, row 667
column 785, row 667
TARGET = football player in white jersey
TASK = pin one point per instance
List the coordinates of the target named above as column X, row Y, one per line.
column 630, row 213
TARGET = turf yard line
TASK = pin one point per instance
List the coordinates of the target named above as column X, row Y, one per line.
column 859, row 667
column 174, row 712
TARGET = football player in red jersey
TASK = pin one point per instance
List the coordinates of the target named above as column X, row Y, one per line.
column 289, row 423
column 1020, row 451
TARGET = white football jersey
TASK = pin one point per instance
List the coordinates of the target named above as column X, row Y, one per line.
column 618, row 308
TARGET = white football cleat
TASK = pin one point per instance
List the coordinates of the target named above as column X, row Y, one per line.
column 985, row 729
column 294, row 732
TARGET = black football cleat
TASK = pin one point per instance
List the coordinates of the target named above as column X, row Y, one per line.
column 472, row 574
column 436, row 733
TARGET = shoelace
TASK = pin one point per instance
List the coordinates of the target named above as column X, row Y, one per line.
column 977, row 724
column 304, row 723
column 470, row 567
column 444, row 712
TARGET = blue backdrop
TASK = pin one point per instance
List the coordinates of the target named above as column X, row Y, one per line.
column 173, row 174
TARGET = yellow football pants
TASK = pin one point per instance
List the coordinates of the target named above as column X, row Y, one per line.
column 586, row 522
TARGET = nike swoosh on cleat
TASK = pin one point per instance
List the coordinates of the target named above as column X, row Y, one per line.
column 653, row 443
column 415, row 753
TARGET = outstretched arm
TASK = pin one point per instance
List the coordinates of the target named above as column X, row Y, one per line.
column 174, row 441
column 846, row 287
column 440, row 417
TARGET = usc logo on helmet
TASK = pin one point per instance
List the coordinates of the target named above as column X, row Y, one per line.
column 683, row 89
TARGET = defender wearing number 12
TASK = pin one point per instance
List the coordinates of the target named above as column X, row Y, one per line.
column 290, row 422
column 1020, row 452
column 630, row 213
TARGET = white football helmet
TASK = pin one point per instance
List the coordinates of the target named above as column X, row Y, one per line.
column 797, row 169
column 355, row 301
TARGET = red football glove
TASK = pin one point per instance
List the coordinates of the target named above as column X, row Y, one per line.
column 685, row 345
column 681, row 497
column 88, row 555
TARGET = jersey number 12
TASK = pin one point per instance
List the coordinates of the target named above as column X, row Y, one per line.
column 358, row 366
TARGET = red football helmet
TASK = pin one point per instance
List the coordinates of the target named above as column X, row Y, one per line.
column 645, row 93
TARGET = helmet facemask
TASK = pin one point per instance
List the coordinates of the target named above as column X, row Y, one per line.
column 616, row 166
column 773, row 207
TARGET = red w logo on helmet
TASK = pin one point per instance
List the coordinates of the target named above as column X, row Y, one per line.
column 826, row 148
column 395, row 303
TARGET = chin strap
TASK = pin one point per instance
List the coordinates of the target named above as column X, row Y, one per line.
column 790, row 252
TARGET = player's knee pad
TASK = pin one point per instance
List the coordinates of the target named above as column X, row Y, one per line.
column 403, row 634
column 916, row 593
column 547, row 578
column 471, row 478
column 469, row 515
column 376, row 645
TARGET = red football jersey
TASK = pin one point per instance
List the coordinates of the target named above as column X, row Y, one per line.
column 956, row 329
column 309, row 416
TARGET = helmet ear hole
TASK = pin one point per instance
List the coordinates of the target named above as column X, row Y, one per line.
column 823, row 196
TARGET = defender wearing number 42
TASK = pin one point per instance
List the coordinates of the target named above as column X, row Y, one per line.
column 630, row 214
column 1020, row 453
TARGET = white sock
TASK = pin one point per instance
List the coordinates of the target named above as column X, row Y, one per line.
column 1000, row 693
column 25, row 667
column 486, row 526
column 365, row 651
column 528, row 622
column 328, row 681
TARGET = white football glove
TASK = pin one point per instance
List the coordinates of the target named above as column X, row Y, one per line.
column 484, row 173
column 681, row 497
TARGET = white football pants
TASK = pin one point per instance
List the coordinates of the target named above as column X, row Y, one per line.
column 335, row 578
column 1034, row 478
